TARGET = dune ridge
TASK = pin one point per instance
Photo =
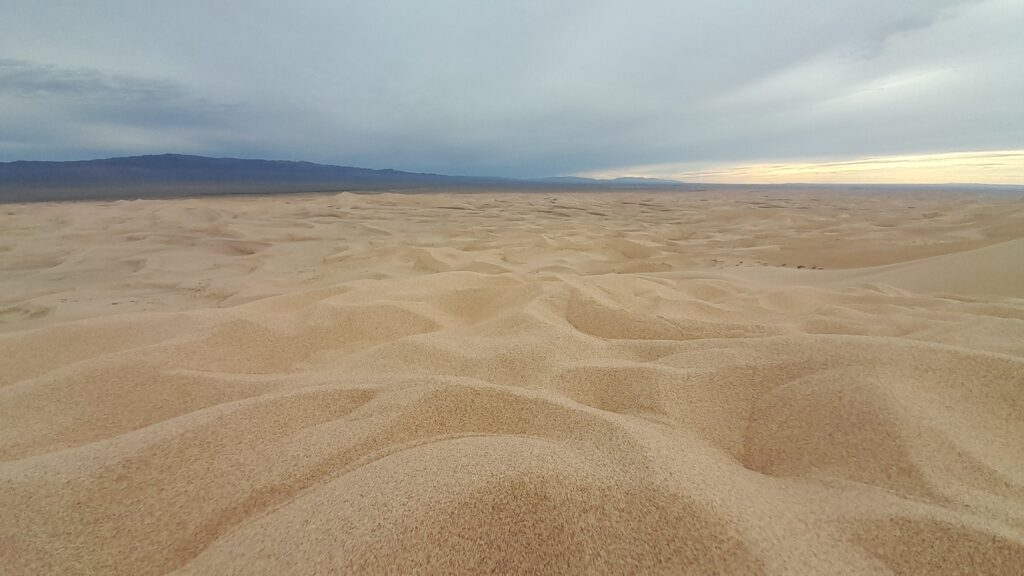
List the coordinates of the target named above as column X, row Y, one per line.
column 514, row 383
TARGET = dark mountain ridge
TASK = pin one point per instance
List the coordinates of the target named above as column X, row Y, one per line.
column 168, row 175
column 176, row 174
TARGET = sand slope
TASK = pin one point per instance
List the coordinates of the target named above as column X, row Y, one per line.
column 513, row 384
column 995, row 269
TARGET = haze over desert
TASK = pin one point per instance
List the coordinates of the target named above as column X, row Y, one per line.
column 771, row 381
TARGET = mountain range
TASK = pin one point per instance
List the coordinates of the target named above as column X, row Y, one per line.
column 183, row 175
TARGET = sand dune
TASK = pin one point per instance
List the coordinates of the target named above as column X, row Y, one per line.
column 514, row 383
column 995, row 269
column 992, row 270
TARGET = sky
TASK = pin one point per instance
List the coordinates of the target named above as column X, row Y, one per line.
column 926, row 91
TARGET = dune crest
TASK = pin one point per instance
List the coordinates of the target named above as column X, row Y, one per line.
column 513, row 383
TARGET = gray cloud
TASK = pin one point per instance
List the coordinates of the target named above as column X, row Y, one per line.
column 515, row 88
column 85, row 111
column 34, row 80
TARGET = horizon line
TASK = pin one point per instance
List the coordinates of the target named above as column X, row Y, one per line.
column 643, row 172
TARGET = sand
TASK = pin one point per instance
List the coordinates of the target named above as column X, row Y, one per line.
column 706, row 382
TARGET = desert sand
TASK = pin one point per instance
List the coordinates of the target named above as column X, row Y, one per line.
column 782, row 382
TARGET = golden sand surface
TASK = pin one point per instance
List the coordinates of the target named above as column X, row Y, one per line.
column 781, row 382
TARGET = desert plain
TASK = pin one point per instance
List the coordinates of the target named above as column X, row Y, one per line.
column 767, row 381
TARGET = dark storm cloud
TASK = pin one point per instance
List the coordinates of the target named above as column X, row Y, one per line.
column 81, row 110
column 35, row 80
column 513, row 88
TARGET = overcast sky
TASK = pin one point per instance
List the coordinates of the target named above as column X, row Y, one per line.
column 706, row 90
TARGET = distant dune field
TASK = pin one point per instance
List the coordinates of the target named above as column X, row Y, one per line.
column 780, row 382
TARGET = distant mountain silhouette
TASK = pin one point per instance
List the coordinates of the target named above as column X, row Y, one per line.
column 181, row 175
column 170, row 175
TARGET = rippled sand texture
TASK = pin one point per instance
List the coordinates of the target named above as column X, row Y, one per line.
column 780, row 383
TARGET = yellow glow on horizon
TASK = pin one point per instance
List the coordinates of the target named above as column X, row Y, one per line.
column 989, row 167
